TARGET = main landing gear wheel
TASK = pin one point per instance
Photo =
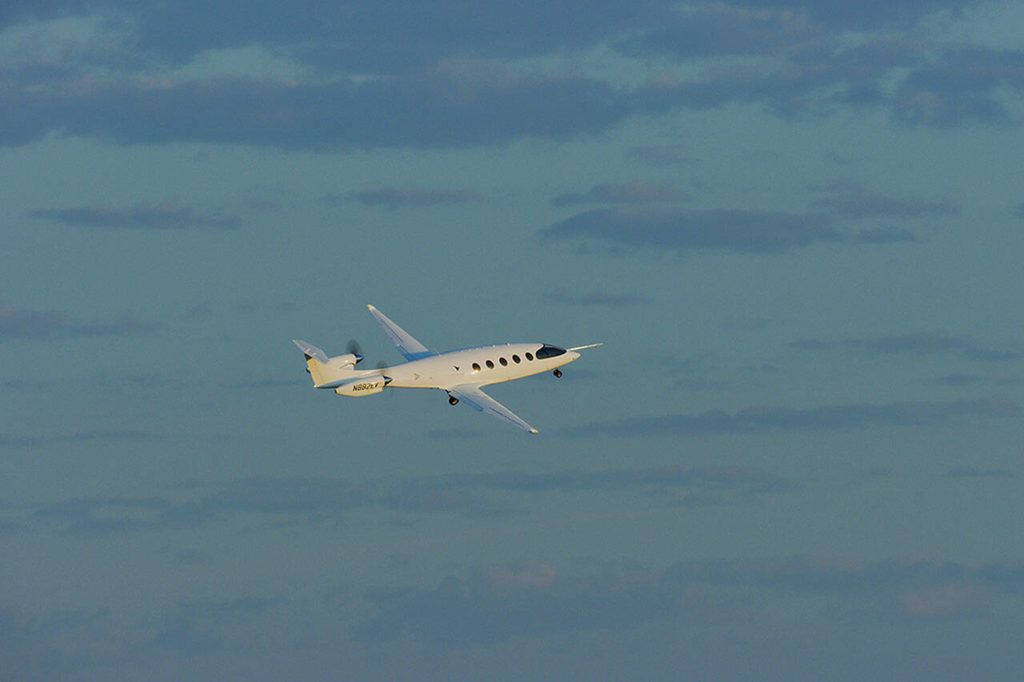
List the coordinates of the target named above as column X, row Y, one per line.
column 452, row 400
column 557, row 373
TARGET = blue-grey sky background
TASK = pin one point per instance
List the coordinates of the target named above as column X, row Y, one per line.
column 797, row 226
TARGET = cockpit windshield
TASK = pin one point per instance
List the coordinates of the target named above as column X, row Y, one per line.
column 546, row 351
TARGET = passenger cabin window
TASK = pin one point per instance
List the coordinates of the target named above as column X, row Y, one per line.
column 503, row 361
column 545, row 352
column 490, row 365
column 476, row 366
column 515, row 359
column 529, row 356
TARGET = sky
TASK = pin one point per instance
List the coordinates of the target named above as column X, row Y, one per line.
column 795, row 225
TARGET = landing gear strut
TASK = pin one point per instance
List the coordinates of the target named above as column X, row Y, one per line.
column 557, row 373
column 452, row 400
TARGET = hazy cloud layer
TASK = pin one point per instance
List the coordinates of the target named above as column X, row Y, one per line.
column 396, row 197
column 597, row 298
column 923, row 343
column 312, row 500
column 18, row 323
column 395, row 36
column 683, row 230
column 967, row 472
column 143, row 217
column 199, row 626
column 847, row 199
column 964, row 84
column 782, row 419
column 492, row 604
column 427, row 80
column 366, row 34
column 626, row 193
column 645, row 223
column 456, row 105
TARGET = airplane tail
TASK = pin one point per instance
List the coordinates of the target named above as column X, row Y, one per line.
column 327, row 372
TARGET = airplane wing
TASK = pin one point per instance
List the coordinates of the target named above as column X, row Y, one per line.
column 407, row 346
column 481, row 402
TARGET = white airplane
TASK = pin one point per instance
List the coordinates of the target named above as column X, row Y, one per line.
column 460, row 373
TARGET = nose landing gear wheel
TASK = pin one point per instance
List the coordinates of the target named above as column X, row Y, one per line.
column 452, row 400
column 557, row 373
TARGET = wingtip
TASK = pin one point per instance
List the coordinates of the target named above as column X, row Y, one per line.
column 370, row 307
column 534, row 431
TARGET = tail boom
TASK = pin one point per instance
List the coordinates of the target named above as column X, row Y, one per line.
column 328, row 372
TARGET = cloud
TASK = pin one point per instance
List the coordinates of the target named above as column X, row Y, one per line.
column 168, row 216
column 474, row 494
column 747, row 481
column 967, row 472
column 314, row 500
column 90, row 516
column 435, row 496
column 922, row 343
column 596, row 298
column 282, row 495
column 684, row 230
column 32, row 323
column 457, row 104
column 770, row 28
column 625, row 193
column 397, row 35
column 459, row 433
column 496, row 603
column 660, row 156
column 491, row 604
column 187, row 505
column 892, row 590
column 397, row 197
column 713, row 30
column 817, row 79
column 961, row 86
column 431, row 75
column 848, row 199
column 18, row 323
column 884, row 235
column 864, row 15
column 369, row 37
column 200, row 626
column 771, row 419
column 806, row 63
column 960, row 379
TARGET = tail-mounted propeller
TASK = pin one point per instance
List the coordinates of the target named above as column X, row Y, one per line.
column 354, row 348
column 381, row 366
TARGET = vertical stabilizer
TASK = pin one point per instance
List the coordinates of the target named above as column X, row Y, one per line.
column 326, row 372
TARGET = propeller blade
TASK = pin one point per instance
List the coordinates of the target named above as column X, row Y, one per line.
column 355, row 349
column 381, row 366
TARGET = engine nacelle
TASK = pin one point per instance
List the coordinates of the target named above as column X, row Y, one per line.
column 362, row 386
column 343, row 361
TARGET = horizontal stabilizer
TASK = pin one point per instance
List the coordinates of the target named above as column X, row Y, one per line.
column 311, row 351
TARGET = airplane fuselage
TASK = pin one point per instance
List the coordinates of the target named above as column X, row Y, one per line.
column 481, row 365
